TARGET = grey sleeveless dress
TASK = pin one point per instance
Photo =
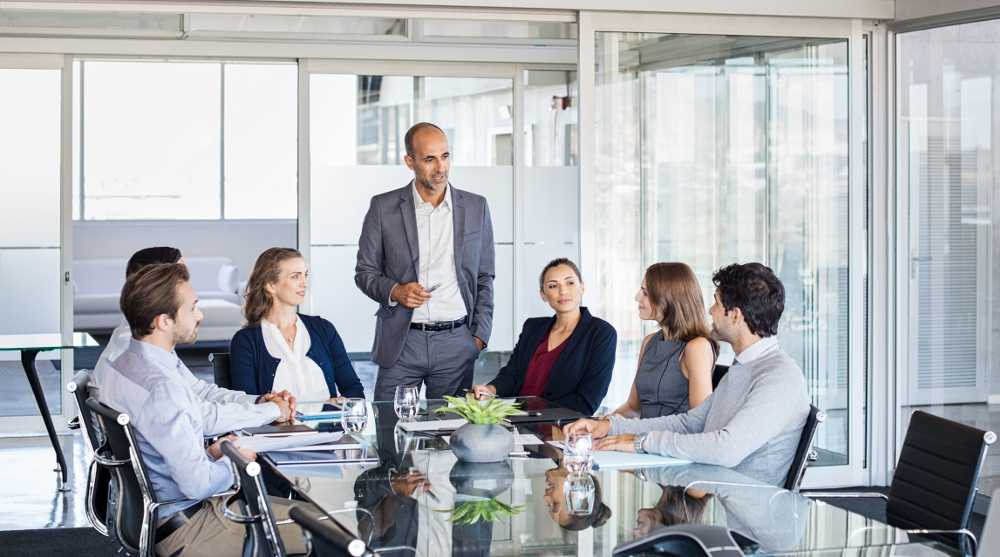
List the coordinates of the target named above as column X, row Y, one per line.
column 662, row 387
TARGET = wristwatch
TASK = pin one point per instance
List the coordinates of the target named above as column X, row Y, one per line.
column 638, row 443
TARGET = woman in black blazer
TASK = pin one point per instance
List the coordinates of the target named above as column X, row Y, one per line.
column 567, row 358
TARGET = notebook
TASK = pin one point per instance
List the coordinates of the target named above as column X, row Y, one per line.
column 281, row 430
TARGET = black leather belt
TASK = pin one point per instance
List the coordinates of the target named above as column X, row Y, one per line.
column 446, row 326
column 176, row 520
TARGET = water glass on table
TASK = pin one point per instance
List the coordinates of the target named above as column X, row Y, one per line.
column 579, row 493
column 578, row 454
column 407, row 402
column 354, row 416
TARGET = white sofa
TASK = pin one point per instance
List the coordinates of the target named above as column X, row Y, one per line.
column 97, row 286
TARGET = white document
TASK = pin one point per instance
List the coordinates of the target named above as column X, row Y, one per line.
column 260, row 444
column 616, row 460
column 346, row 443
column 433, row 425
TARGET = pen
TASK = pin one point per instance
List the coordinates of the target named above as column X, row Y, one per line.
column 435, row 287
column 487, row 395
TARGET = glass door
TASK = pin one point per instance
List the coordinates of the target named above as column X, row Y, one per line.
column 31, row 234
column 714, row 149
column 948, row 188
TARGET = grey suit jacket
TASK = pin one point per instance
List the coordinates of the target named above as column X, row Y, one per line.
column 388, row 255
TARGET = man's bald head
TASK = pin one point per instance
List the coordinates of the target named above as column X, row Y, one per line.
column 416, row 129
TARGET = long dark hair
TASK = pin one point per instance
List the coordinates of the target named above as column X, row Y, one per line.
column 266, row 270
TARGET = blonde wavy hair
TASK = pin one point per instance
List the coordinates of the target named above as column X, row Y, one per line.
column 266, row 270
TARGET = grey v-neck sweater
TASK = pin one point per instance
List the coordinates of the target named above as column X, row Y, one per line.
column 751, row 423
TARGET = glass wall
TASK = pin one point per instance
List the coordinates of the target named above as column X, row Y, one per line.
column 715, row 150
column 186, row 140
column 30, row 285
column 357, row 126
column 945, row 167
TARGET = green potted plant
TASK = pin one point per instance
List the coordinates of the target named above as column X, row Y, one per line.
column 483, row 439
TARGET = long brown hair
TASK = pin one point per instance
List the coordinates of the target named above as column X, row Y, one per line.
column 674, row 291
column 266, row 270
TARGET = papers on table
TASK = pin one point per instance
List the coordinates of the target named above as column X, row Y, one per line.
column 616, row 460
column 317, row 411
column 260, row 444
column 433, row 425
column 285, row 458
column 344, row 443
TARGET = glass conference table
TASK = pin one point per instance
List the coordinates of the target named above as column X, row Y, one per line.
column 405, row 496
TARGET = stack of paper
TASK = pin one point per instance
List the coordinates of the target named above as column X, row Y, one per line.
column 263, row 444
column 433, row 425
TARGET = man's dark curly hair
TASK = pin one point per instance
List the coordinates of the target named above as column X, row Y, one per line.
column 758, row 293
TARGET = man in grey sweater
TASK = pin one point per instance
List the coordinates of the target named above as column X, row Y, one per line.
column 754, row 419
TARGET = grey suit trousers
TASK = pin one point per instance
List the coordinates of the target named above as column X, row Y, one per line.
column 442, row 360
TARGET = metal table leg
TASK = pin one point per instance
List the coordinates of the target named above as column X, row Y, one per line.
column 28, row 361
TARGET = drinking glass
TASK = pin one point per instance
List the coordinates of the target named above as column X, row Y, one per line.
column 578, row 454
column 354, row 417
column 407, row 402
column 579, row 493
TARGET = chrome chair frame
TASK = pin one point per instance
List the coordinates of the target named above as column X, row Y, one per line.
column 257, row 505
column 147, row 534
column 337, row 536
column 94, row 445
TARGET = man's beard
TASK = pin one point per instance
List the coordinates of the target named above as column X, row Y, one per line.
column 186, row 338
column 427, row 182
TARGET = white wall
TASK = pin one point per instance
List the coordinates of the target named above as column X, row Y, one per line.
column 240, row 240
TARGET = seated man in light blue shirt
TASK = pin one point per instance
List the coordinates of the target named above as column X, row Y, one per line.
column 222, row 410
column 148, row 382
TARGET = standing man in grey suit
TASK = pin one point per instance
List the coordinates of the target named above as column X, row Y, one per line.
column 426, row 256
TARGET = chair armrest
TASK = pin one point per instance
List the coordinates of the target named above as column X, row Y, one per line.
column 843, row 494
column 962, row 531
column 238, row 518
column 110, row 462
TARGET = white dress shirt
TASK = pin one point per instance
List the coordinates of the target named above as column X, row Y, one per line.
column 296, row 373
column 756, row 350
column 436, row 239
column 222, row 410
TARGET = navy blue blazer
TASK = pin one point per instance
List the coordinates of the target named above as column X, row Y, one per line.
column 581, row 374
column 253, row 367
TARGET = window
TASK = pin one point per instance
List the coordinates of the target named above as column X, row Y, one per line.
column 187, row 140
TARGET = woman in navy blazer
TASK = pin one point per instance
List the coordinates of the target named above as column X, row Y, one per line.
column 276, row 287
column 567, row 358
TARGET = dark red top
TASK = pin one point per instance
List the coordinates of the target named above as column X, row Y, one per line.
column 540, row 367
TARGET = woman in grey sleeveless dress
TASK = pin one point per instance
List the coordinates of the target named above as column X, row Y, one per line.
column 676, row 363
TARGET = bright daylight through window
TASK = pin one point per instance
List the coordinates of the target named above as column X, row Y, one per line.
column 171, row 140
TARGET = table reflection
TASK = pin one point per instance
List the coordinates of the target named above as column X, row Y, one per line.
column 421, row 500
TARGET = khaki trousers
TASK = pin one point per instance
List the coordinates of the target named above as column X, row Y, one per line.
column 210, row 534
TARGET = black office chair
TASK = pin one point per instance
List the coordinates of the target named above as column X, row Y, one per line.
column 328, row 538
column 220, row 367
column 718, row 373
column 98, row 476
column 132, row 504
column 262, row 539
column 936, row 480
column 804, row 453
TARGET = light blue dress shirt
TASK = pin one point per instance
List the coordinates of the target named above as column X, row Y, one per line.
column 222, row 410
column 149, row 385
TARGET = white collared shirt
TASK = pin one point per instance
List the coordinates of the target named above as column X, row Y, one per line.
column 436, row 241
column 756, row 350
column 296, row 372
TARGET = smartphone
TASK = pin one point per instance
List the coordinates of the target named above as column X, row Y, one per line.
column 435, row 287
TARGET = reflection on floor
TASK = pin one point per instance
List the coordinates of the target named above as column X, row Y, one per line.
column 983, row 416
column 31, row 498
